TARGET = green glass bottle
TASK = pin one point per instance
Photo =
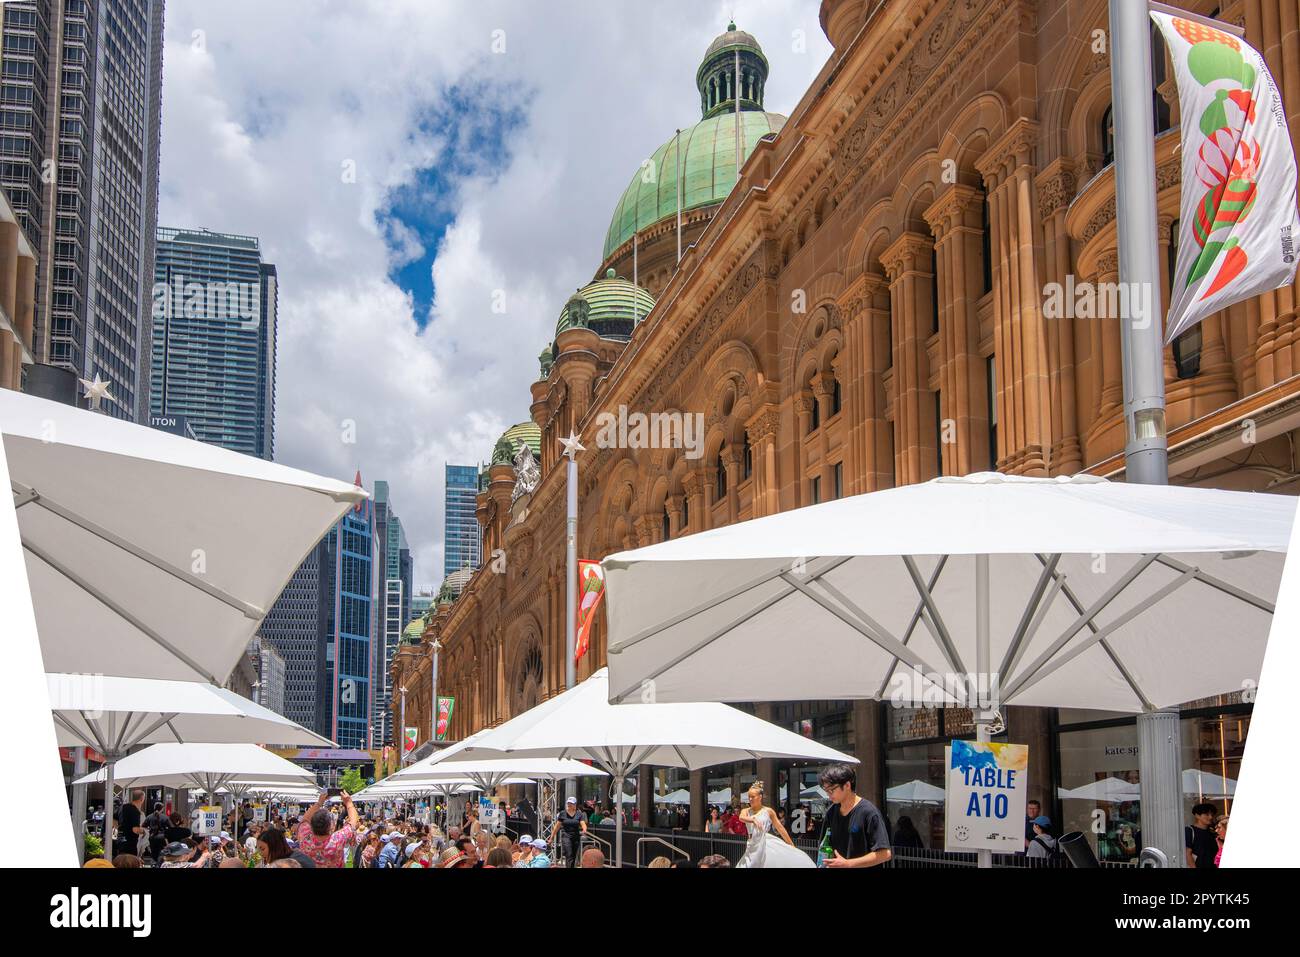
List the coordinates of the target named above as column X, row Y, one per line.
column 825, row 852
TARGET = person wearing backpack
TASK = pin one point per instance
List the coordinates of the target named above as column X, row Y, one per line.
column 1043, row 845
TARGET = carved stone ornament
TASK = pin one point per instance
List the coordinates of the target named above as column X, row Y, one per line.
column 527, row 473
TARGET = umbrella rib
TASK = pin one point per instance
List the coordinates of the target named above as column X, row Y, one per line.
column 911, row 626
column 1085, row 618
column 94, row 730
column 139, row 738
column 252, row 612
column 1034, row 613
column 121, row 612
column 864, row 626
column 939, row 628
column 68, row 726
column 713, row 603
column 1154, row 598
column 1068, row 592
column 1219, row 584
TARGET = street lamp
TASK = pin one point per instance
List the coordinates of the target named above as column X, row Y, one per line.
column 433, row 708
column 402, row 739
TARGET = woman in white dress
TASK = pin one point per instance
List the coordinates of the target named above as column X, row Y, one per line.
column 766, row 849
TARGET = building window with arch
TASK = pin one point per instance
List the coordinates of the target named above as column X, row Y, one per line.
column 815, row 418
column 747, row 459
column 667, row 525
column 836, row 397
column 1108, row 135
column 720, row 486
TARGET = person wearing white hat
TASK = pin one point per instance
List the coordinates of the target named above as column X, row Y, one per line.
column 539, row 858
column 571, row 825
column 388, row 855
column 525, row 851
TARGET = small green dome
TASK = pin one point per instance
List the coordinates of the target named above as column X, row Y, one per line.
column 609, row 307
column 414, row 632
column 708, row 173
column 524, row 432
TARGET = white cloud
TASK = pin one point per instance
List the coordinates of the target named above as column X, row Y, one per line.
column 260, row 120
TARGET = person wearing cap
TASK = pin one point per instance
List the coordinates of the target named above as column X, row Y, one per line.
column 571, row 825
column 388, row 852
column 177, row 854
column 539, row 857
column 1043, row 844
column 411, row 850
column 525, row 851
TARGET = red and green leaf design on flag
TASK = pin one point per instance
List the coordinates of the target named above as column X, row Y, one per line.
column 1228, row 162
column 591, row 589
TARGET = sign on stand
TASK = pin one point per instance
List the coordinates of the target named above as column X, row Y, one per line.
column 987, row 787
column 209, row 821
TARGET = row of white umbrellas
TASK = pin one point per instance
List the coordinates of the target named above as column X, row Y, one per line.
column 133, row 592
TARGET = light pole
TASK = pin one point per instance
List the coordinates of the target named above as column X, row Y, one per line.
column 572, row 446
column 433, row 708
column 403, row 728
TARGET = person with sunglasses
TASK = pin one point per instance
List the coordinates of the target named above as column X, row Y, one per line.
column 858, row 836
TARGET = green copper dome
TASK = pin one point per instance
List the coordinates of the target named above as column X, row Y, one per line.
column 525, row 432
column 414, row 632
column 610, row 307
column 708, row 149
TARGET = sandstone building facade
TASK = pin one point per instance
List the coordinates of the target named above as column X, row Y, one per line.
column 866, row 308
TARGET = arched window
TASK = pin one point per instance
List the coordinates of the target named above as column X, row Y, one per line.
column 667, row 526
column 721, row 488
column 815, row 420
column 747, row 460
column 686, row 513
column 836, row 398
column 1108, row 136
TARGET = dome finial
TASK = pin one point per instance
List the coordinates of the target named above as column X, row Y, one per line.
column 732, row 25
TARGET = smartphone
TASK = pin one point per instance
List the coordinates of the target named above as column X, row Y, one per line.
column 333, row 792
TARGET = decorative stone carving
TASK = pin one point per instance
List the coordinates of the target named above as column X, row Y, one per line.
column 527, row 473
column 1056, row 192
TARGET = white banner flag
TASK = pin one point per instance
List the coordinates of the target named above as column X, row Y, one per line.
column 1238, row 226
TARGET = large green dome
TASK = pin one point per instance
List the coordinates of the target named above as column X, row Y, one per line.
column 525, row 432
column 612, row 307
column 708, row 173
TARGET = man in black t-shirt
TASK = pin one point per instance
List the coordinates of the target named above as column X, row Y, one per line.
column 857, row 829
column 130, row 825
column 1199, row 838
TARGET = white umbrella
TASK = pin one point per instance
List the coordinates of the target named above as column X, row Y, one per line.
column 204, row 767
column 492, row 771
column 148, row 554
column 912, row 792
column 882, row 590
column 1205, row 784
column 1107, row 790
column 581, row 723
column 117, row 715
column 680, row 796
column 814, row 793
column 720, row 797
column 983, row 591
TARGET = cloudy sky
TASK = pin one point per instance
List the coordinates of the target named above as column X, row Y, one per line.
column 401, row 161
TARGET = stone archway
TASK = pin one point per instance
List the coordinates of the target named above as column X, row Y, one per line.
column 527, row 685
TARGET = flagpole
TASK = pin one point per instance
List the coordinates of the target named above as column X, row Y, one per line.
column 571, row 449
column 1146, row 450
column 677, row 150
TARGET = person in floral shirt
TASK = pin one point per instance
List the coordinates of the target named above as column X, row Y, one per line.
column 320, row 840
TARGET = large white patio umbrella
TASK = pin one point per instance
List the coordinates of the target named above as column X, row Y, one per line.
column 582, row 724
column 118, row 715
column 1206, row 784
column 151, row 555
column 913, row 792
column 1107, row 791
column 204, row 767
column 1071, row 592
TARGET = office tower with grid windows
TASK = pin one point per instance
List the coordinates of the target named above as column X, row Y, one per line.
column 80, row 115
column 214, row 326
column 394, row 606
column 463, row 547
column 299, row 627
column 349, row 655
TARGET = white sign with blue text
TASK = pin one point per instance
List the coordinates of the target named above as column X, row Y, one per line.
column 987, row 786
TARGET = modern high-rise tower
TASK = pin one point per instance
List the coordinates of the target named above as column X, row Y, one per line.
column 463, row 548
column 80, row 117
column 394, row 606
column 214, row 326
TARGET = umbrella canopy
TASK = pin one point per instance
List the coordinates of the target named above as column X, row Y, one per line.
column 680, row 796
column 913, row 792
column 581, row 723
column 814, row 793
column 492, row 771
column 1204, row 784
column 1089, row 584
column 117, row 715
column 1107, row 790
column 204, row 767
column 134, row 560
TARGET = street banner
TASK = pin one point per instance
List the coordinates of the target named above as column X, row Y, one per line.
column 986, row 795
column 591, row 589
column 1238, row 223
column 408, row 740
column 208, row 821
column 445, row 708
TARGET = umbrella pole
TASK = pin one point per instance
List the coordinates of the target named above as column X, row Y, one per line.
column 983, row 717
column 109, row 761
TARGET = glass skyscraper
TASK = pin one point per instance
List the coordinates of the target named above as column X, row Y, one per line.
column 299, row 627
column 80, row 115
column 349, row 659
column 394, row 599
column 463, row 544
column 214, row 334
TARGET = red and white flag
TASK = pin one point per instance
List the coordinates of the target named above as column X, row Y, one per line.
column 1238, row 226
column 591, row 589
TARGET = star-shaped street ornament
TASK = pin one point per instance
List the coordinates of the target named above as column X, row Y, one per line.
column 97, row 391
column 572, row 446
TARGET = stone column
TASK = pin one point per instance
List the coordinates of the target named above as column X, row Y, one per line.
column 1030, row 726
column 877, row 358
column 731, row 462
column 868, row 742
column 699, row 799
column 645, row 786
column 1018, row 304
column 803, row 409
column 693, row 484
column 823, row 385
column 762, row 428
column 907, row 261
column 955, row 220
column 1108, row 330
column 1056, row 189
column 674, row 506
